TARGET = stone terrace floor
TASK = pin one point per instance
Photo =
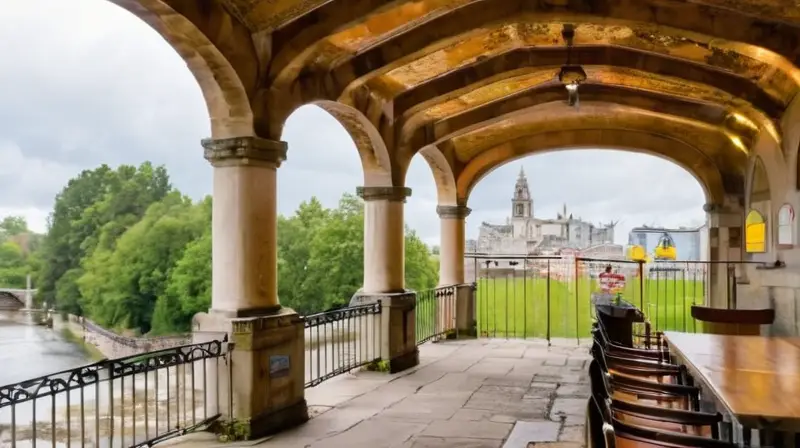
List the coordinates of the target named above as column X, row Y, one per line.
column 470, row 394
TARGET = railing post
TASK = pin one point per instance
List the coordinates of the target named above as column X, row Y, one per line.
column 397, row 327
column 465, row 310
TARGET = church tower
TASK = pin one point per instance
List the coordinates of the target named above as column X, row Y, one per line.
column 521, row 203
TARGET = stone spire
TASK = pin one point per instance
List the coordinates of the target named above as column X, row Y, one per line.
column 521, row 202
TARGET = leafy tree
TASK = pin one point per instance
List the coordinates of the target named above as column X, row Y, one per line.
column 13, row 269
column 13, row 225
column 92, row 211
column 120, row 287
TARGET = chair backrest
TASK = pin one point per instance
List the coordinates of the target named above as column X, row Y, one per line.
column 734, row 322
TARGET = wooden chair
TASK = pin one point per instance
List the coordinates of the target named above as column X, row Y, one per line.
column 659, row 354
column 603, row 430
column 642, row 388
column 733, row 322
column 658, row 417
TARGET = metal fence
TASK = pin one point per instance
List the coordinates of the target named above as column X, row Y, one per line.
column 550, row 297
column 435, row 313
column 131, row 401
column 341, row 340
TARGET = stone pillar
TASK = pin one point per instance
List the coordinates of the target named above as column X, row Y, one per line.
column 384, row 276
column 384, row 239
column 726, row 239
column 262, row 382
column 453, row 240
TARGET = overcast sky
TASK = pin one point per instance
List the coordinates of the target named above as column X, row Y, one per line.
column 83, row 82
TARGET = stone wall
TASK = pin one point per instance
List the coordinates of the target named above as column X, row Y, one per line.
column 112, row 345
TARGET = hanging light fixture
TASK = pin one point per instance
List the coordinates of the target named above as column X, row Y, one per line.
column 571, row 75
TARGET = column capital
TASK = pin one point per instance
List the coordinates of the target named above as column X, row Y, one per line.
column 393, row 194
column 453, row 211
column 244, row 151
column 711, row 207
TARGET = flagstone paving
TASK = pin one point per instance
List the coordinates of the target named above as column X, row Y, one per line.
column 475, row 393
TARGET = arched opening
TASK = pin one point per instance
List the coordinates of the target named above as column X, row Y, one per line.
column 98, row 154
column 421, row 216
column 755, row 232
column 321, row 218
column 588, row 205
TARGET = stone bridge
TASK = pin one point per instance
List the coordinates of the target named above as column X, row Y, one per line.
column 16, row 299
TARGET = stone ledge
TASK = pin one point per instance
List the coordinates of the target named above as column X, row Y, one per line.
column 403, row 300
column 393, row 194
column 453, row 211
column 244, row 151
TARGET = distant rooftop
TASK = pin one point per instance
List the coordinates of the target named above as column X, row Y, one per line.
column 648, row 229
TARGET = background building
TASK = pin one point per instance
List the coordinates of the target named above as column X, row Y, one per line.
column 523, row 233
column 691, row 244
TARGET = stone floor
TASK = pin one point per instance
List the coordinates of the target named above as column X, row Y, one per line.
column 477, row 394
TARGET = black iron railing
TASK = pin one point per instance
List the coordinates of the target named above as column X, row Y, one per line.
column 131, row 401
column 341, row 340
column 550, row 297
column 435, row 313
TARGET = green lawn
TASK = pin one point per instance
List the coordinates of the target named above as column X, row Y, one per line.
column 519, row 308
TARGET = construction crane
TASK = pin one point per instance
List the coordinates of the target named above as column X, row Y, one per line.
column 664, row 251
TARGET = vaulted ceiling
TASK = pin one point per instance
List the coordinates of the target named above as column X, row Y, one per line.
column 472, row 83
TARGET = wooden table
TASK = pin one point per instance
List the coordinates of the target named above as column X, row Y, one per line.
column 755, row 379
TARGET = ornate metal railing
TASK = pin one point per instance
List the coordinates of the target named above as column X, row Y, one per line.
column 339, row 341
column 131, row 401
column 435, row 314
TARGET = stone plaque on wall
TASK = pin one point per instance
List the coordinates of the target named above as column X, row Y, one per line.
column 734, row 237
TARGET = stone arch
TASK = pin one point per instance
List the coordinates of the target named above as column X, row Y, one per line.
column 10, row 301
column 372, row 150
column 225, row 95
column 446, row 191
column 706, row 174
column 758, row 188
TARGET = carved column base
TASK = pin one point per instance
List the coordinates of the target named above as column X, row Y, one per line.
column 263, row 387
column 398, row 341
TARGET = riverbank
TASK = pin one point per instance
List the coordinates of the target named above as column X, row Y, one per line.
column 90, row 350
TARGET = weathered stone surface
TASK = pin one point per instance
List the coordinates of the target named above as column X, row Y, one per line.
column 475, row 430
column 525, row 432
column 434, row 405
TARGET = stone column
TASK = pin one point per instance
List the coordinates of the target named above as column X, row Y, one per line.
column 453, row 240
column 384, row 276
column 726, row 238
column 384, row 239
column 262, row 382
column 451, row 266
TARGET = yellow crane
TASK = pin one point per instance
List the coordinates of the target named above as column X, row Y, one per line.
column 664, row 250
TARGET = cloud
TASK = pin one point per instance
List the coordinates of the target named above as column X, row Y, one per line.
column 111, row 90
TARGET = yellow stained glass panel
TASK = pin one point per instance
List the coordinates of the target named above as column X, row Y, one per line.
column 755, row 233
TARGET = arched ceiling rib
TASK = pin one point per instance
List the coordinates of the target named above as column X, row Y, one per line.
column 465, row 107
column 714, row 150
column 667, row 147
column 710, row 74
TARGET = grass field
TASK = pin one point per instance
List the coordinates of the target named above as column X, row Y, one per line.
column 519, row 308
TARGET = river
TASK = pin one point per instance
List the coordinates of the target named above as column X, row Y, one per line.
column 28, row 351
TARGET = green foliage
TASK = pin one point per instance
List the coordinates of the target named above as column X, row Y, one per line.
column 16, row 244
column 130, row 252
column 232, row 430
column 91, row 212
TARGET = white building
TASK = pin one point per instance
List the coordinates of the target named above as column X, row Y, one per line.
column 523, row 233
